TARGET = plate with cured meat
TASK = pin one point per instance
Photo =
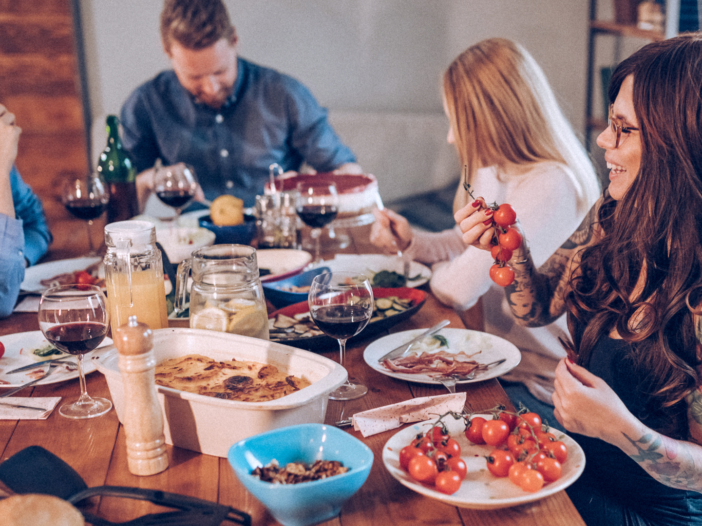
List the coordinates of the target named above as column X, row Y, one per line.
column 63, row 272
column 450, row 351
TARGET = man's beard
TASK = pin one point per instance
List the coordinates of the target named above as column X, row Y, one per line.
column 218, row 100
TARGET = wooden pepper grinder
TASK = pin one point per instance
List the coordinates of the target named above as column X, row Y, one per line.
column 143, row 421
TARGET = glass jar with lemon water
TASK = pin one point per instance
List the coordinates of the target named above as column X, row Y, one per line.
column 226, row 293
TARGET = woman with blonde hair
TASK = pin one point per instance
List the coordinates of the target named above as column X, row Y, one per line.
column 518, row 148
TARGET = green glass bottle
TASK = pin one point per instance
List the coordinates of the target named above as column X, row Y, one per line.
column 118, row 170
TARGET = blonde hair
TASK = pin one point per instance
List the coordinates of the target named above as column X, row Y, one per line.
column 195, row 24
column 503, row 111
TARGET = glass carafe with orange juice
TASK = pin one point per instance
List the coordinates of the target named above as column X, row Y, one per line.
column 134, row 274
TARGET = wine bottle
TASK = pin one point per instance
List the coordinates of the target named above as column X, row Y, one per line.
column 117, row 168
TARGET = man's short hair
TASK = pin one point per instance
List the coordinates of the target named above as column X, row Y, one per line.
column 195, row 24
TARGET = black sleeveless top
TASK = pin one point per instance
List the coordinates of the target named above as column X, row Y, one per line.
column 617, row 475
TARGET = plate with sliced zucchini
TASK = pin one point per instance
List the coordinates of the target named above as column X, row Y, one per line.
column 294, row 326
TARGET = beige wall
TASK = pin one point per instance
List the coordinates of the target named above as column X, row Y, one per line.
column 369, row 56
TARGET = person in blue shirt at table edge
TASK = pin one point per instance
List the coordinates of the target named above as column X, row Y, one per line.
column 24, row 234
column 227, row 117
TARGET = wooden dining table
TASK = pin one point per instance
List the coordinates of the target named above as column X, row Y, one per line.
column 96, row 448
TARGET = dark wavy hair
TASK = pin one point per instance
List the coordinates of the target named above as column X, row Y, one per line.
column 657, row 223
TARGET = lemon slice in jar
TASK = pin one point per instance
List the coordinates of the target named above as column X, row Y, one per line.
column 210, row 318
column 248, row 322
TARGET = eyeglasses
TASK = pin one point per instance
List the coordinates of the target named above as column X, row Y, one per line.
column 617, row 128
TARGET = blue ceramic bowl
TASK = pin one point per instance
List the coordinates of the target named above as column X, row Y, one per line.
column 275, row 292
column 308, row 502
column 237, row 235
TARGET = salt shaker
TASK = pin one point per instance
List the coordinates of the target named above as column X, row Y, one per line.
column 142, row 420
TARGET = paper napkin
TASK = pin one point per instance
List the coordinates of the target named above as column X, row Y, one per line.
column 392, row 416
column 8, row 412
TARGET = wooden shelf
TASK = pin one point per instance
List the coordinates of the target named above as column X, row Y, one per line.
column 626, row 30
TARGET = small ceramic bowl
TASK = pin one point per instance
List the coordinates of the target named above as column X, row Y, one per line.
column 238, row 235
column 307, row 502
column 277, row 291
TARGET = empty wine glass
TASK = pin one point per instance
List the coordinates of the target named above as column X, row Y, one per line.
column 175, row 186
column 317, row 203
column 74, row 318
column 86, row 199
column 341, row 304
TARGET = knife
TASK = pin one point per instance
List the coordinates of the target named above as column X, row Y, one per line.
column 402, row 349
column 66, row 359
column 18, row 406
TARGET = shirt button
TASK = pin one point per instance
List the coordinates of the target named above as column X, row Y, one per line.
column 224, row 153
column 230, row 184
column 219, row 119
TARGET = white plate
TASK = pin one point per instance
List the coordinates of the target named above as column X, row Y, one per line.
column 186, row 220
column 12, row 359
column 369, row 264
column 491, row 348
column 34, row 275
column 480, row 490
column 282, row 262
column 180, row 243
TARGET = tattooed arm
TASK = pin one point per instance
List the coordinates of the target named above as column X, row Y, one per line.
column 535, row 296
column 585, row 404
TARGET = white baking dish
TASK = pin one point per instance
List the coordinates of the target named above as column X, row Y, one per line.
column 211, row 425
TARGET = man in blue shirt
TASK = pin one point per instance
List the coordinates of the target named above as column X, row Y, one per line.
column 227, row 117
column 24, row 234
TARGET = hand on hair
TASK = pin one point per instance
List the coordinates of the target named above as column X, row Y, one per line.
column 585, row 404
column 390, row 231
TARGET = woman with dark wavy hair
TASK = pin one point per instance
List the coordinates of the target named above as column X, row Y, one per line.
column 630, row 280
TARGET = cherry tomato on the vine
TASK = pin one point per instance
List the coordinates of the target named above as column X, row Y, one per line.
column 509, row 419
column 530, row 421
column 424, row 443
column 2, row 349
column 550, row 468
column 438, row 433
column 558, row 450
column 510, row 239
column 501, row 253
column 448, row 482
column 474, row 431
column 440, row 457
column 544, row 438
column 458, row 465
column 407, row 453
column 503, row 276
column 495, row 432
column 499, row 461
column 504, row 216
column 532, row 481
column 450, row 447
column 516, row 471
column 423, row 469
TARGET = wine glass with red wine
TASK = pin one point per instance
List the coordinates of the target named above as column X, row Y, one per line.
column 86, row 199
column 341, row 305
column 74, row 318
column 317, row 204
column 175, row 186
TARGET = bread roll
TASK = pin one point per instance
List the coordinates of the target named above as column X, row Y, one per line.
column 38, row 510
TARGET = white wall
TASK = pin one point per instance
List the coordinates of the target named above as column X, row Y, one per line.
column 379, row 56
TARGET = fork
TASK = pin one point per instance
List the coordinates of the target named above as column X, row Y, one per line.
column 52, row 368
column 449, row 381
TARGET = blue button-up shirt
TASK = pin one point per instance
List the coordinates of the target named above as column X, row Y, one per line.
column 23, row 237
column 269, row 118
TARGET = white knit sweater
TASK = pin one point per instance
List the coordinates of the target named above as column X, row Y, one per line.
column 549, row 211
